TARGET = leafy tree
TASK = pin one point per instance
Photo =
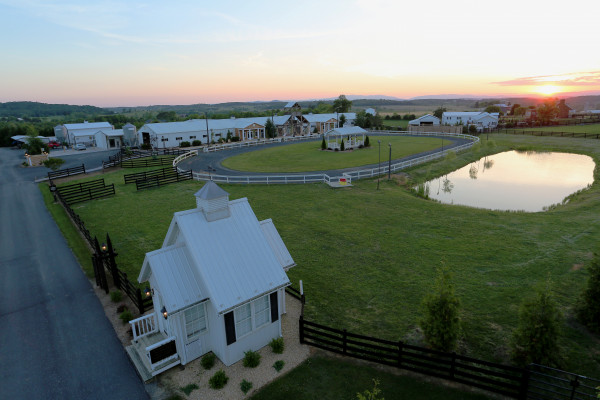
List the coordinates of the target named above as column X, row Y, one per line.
column 361, row 119
column 547, row 111
column 513, row 108
column 536, row 338
column 370, row 394
column 342, row 120
column 519, row 111
column 441, row 322
column 492, row 109
column 54, row 163
column 270, row 129
column 342, row 104
column 409, row 117
column 588, row 307
column 34, row 144
column 170, row 116
column 439, row 111
column 322, row 108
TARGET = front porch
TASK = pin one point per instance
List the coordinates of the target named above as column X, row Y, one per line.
column 151, row 351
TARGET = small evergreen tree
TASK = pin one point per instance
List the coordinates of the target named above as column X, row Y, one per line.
column 342, row 147
column 441, row 323
column 536, row 338
column 588, row 308
column 323, row 144
column 367, row 144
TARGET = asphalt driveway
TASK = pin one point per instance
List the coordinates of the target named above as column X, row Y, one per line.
column 55, row 341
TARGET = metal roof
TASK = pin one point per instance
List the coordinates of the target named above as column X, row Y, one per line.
column 199, row 125
column 232, row 256
column 290, row 104
column 327, row 117
column 179, row 283
column 281, row 252
column 109, row 132
column 210, row 191
column 88, row 125
column 347, row 130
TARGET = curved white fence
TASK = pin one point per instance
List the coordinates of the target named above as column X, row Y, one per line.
column 324, row 178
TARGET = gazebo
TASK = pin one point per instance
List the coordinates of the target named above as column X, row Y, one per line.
column 351, row 133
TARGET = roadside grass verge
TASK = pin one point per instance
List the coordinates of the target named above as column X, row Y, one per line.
column 396, row 123
column 302, row 157
column 589, row 128
column 367, row 257
column 332, row 378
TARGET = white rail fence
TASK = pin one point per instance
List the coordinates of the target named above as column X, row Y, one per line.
column 144, row 325
column 324, row 178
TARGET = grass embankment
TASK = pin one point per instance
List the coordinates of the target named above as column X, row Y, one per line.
column 331, row 378
column 368, row 257
column 308, row 156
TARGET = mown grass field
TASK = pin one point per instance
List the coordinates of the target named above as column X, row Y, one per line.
column 367, row 257
column 322, row 378
column 308, row 156
column 396, row 123
column 591, row 128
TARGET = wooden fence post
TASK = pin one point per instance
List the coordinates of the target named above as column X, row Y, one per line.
column 345, row 342
column 400, row 350
column 525, row 376
column 112, row 264
column 453, row 365
column 301, row 329
column 140, row 301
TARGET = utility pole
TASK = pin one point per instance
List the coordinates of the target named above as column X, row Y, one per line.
column 379, row 165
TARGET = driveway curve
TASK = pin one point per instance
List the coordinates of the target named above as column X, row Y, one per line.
column 55, row 340
column 205, row 162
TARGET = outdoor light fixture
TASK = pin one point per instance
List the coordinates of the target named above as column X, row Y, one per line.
column 149, row 291
column 103, row 247
column 164, row 312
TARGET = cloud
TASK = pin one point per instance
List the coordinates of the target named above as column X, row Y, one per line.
column 572, row 79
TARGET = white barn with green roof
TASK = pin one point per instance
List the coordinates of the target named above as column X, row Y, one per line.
column 217, row 284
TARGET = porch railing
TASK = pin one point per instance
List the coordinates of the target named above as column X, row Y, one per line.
column 143, row 326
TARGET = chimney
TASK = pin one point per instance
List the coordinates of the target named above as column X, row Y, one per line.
column 213, row 201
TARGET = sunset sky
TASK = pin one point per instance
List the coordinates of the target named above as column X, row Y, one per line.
column 126, row 53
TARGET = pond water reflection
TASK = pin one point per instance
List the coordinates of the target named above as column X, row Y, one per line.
column 514, row 180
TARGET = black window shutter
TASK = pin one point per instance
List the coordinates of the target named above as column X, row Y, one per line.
column 274, row 307
column 229, row 328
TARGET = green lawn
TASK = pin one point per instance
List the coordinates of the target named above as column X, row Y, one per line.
column 367, row 258
column 309, row 157
column 321, row 378
column 591, row 128
column 396, row 123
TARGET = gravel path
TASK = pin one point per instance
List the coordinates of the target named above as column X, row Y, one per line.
column 293, row 355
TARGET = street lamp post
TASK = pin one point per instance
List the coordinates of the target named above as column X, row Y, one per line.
column 390, row 163
column 379, row 165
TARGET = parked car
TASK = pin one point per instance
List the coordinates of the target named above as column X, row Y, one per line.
column 79, row 146
column 54, row 145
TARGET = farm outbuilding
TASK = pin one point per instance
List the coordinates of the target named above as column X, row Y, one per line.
column 217, row 284
column 425, row 120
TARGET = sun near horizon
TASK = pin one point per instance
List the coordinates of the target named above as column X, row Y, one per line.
column 548, row 90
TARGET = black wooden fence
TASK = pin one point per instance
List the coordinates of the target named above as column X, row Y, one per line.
column 142, row 176
column 78, row 192
column 581, row 135
column 534, row 382
column 147, row 162
column 105, row 260
column 164, row 179
column 62, row 173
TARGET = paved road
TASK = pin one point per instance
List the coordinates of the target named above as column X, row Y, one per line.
column 213, row 160
column 55, row 341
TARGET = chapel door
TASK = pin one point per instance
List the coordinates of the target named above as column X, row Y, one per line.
column 195, row 327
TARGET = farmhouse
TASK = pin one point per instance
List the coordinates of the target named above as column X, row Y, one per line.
column 482, row 120
column 425, row 120
column 217, row 284
column 321, row 123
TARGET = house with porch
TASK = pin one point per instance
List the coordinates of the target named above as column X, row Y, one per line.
column 321, row 123
column 217, row 284
column 481, row 120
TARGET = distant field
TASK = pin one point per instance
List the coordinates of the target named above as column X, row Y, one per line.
column 309, row 157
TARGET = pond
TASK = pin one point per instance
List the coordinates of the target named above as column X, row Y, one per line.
column 515, row 180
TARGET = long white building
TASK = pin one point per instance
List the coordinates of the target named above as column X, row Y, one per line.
column 482, row 120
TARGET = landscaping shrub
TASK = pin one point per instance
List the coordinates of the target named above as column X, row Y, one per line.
column 536, row 338
column 336, row 149
column 588, row 307
column 342, row 146
column 235, row 138
column 441, row 322
column 116, row 296
column 184, row 144
column 196, row 143
column 126, row 316
column 278, row 365
column 146, row 146
column 277, row 345
column 187, row 389
column 245, row 386
column 54, row 163
column 367, row 144
column 370, row 394
column 323, row 144
column 218, row 380
column 251, row 359
column 208, row 360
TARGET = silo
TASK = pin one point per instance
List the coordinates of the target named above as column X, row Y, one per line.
column 60, row 134
column 130, row 135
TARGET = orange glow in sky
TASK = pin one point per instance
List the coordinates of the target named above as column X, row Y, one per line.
column 548, row 90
